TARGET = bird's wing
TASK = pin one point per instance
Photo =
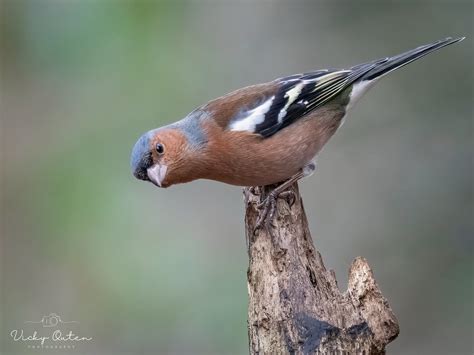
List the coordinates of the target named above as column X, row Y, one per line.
column 294, row 97
column 267, row 108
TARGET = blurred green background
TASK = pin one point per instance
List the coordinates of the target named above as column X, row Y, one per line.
column 150, row 271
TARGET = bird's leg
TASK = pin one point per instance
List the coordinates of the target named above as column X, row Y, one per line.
column 269, row 204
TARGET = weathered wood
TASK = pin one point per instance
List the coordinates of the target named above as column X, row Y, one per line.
column 295, row 305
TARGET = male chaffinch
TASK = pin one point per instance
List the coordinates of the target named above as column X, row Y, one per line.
column 262, row 134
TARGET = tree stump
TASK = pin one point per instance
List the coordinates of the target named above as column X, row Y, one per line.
column 295, row 305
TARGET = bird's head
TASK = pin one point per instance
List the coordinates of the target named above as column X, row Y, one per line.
column 161, row 156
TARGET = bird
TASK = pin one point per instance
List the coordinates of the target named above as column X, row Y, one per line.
column 263, row 134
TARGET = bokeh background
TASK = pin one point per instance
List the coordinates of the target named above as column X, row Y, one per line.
column 149, row 271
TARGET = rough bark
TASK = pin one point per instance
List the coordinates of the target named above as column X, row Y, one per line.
column 295, row 305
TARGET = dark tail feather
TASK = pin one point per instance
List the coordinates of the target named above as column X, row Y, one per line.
column 385, row 66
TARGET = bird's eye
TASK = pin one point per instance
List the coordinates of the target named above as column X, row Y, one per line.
column 159, row 148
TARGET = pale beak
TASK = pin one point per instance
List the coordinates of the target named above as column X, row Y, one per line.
column 157, row 174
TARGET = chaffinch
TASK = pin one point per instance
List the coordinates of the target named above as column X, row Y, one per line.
column 262, row 134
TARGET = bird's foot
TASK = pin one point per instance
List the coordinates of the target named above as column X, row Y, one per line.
column 269, row 205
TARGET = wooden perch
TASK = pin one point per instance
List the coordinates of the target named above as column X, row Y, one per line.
column 295, row 305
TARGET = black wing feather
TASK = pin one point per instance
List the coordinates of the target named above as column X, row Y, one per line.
column 300, row 94
column 316, row 89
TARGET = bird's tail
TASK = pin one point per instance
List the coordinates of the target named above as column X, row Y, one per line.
column 386, row 65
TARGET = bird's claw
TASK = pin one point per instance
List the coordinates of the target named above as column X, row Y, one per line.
column 267, row 210
column 268, row 207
